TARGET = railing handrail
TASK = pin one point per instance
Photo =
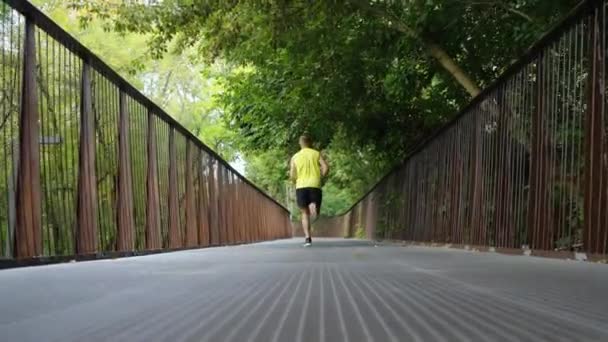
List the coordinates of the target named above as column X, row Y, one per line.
column 570, row 19
column 45, row 23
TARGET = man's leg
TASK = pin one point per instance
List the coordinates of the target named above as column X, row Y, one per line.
column 316, row 197
column 303, row 199
column 312, row 207
column 305, row 222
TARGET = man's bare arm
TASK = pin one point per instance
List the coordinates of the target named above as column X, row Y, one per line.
column 324, row 166
column 293, row 174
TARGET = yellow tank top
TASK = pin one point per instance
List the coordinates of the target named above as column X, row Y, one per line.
column 307, row 167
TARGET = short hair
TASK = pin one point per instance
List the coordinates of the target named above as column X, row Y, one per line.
column 306, row 140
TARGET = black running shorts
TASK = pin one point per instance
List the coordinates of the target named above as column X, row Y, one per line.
column 306, row 196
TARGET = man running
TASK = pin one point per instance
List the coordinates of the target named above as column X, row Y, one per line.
column 307, row 167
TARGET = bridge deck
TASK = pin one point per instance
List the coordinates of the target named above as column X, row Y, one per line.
column 338, row 290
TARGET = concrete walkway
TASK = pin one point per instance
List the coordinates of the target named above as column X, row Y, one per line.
column 337, row 290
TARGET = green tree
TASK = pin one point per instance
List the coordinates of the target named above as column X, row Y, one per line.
column 382, row 73
column 168, row 81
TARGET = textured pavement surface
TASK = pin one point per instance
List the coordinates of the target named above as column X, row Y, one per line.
column 337, row 290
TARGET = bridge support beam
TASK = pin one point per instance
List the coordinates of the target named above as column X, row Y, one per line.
column 153, row 240
column 596, row 170
column 232, row 225
column 28, row 232
column 221, row 193
column 540, row 224
column 473, row 235
column 203, row 201
column 213, row 199
column 125, row 240
column 86, row 229
column 191, row 226
column 175, row 238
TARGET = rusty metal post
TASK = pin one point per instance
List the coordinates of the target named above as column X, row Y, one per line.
column 596, row 177
column 235, row 210
column 534, row 152
column 455, row 177
column 86, row 239
column 203, row 207
column 213, row 204
column 539, row 225
column 238, row 212
column 217, row 186
column 245, row 213
column 251, row 217
column 191, row 225
column 222, row 193
column 241, row 210
column 229, row 206
column 504, row 185
column 175, row 238
column 371, row 216
column 476, row 180
column 153, row 240
column 228, row 186
column 125, row 240
column 238, row 203
column 28, row 232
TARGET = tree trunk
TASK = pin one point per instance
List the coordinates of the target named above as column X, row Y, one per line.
column 431, row 47
column 454, row 69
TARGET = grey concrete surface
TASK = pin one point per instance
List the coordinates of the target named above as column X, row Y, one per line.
column 337, row 290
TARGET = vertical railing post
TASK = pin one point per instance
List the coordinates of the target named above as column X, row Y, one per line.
column 344, row 222
column 371, row 215
column 175, row 240
column 203, row 206
column 227, row 188
column 86, row 238
column 125, row 240
column 475, row 182
column 502, row 214
column 230, row 209
column 212, row 204
column 235, row 210
column 456, row 189
column 411, row 202
column 539, row 218
column 254, row 210
column 28, row 232
column 241, row 210
column 221, row 193
column 191, row 227
column 596, row 182
column 227, row 208
column 534, row 152
column 152, row 191
column 249, row 225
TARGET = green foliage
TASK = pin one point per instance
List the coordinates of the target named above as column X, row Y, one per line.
column 326, row 65
column 269, row 170
column 356, row 75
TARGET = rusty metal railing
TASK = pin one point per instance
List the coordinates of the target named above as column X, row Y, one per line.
column 90, row 166
column 524, row 165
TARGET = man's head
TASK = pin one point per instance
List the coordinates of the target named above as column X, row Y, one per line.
column 305, row 141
